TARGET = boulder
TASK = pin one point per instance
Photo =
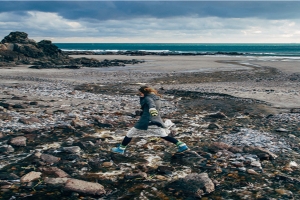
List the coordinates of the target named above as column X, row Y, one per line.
column 29, row 50
column 18, row 49
column 189, row 158
column 193, row 185
column 49, row 49
column 84, row 187
column 17, row 37
column 18, row 141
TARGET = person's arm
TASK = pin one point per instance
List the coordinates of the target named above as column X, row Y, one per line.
column 152, row 107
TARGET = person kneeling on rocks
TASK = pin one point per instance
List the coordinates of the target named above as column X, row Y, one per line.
column 150, row 122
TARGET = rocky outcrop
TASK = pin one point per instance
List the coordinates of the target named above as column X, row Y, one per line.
column 17, row 37
column 18, row 49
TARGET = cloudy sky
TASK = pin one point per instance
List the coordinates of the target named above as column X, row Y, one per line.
column 154, row 21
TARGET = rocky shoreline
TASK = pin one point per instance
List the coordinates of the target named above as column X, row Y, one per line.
column 57, row 126
column 56, row 135
column 17, row 49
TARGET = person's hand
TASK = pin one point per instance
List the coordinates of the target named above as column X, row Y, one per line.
column 153, row 112
column 141, row 94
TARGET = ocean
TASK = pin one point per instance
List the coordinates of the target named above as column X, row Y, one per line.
column 248, row 49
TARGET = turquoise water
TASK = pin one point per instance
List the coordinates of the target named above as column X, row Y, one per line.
column 243, row 49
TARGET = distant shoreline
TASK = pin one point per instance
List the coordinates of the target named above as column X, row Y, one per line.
column 144, row 53
column 235, row 49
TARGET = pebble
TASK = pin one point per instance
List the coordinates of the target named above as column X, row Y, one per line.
column 256, row 164
column 31, row 176
column 107, row 164
column 250, row 137
column 18, row 141
column 292, row 164
column 251, row 171
column 73, row 149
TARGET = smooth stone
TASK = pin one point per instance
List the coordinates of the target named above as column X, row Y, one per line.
column 73, row 149
column 31, row 176
column 18, row 141
column 251, row 171
column 84, row 187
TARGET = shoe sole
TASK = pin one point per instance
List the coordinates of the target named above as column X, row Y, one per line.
column 183, row 150
column 117, row 153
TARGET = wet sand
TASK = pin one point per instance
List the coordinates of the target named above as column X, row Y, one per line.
column 202, row 63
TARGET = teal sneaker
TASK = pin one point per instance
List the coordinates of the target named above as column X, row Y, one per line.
column 119, row 150
column 181, row 147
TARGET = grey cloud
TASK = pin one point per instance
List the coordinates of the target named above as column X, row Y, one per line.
column 105, row 10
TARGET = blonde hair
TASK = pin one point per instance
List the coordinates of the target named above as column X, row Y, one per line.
column 147, row 90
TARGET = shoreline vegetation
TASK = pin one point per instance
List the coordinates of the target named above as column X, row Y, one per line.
column 239, row 115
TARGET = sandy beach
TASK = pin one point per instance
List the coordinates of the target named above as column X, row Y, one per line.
column 203, row 63
column 280, row 92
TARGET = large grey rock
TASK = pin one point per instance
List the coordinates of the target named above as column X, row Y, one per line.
column 189, row 158
column 84, row 187
column 18, row 141
column 17, row 37
column 193, row 185
column 17, row 47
